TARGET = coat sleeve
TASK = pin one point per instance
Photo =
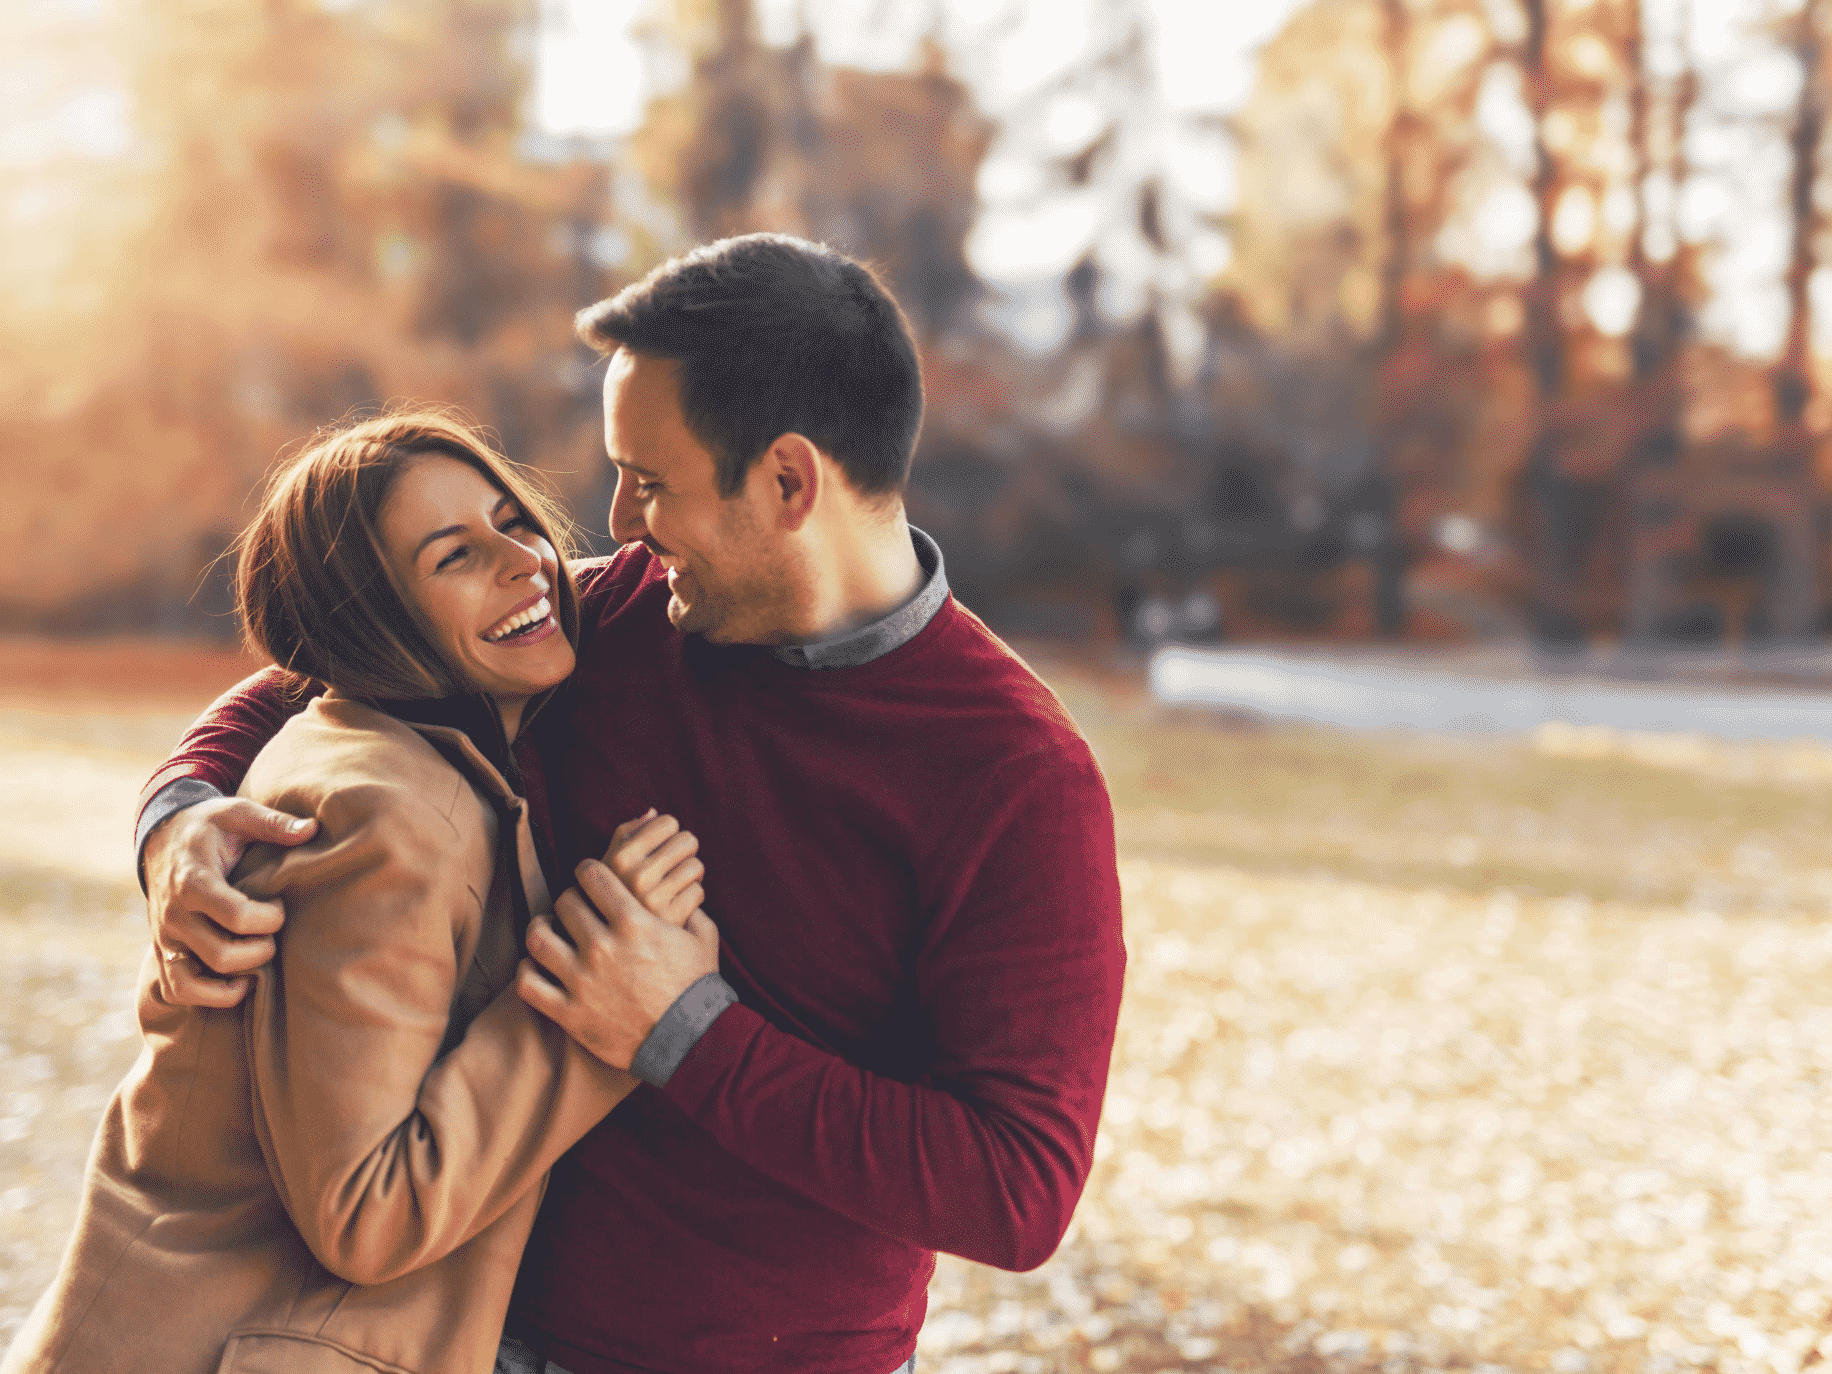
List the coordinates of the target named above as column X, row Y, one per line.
column 1019, row 979
column 386, row 1154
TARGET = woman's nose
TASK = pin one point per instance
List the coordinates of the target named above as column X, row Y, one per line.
column 519, row 560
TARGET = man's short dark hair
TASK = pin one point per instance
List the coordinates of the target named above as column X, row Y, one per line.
column 775, row 335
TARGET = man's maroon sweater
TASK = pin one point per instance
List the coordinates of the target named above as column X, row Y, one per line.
column 911, row 865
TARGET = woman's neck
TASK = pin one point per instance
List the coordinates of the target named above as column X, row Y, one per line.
column 510, row 709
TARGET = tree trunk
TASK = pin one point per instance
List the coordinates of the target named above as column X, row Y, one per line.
column 1795, row 594
column 1558, row 506
column 1387, row 555
column 1793, row 377
column 1662, row 322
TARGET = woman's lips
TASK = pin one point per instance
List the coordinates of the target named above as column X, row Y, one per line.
column 530, row 612
column 543, row 630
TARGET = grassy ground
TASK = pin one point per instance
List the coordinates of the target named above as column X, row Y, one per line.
column 1435, row 1053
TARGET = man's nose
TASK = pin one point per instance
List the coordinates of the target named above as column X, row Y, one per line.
column 626, row 515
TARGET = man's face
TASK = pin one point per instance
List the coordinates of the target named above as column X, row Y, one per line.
column 724, row 555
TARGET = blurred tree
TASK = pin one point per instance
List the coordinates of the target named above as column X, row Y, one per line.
column 1359, row 153
column 880, row 164
column 1792, row 593
column 1722, row 546
column 1665, row 268
column 329, row 211
column 1571, row 65
column 1435, row 54
column 1793, row 375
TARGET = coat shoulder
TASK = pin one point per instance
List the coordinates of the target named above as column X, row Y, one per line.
column 353, row 767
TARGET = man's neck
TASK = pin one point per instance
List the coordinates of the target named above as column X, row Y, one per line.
column 858, row 573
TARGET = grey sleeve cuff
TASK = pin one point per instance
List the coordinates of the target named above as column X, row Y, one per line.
column 167, row 802
column 680, row 1029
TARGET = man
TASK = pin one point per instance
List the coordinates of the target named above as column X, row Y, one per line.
column 900, row 1043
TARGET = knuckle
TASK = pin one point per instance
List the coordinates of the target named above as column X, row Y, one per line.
column 240, row 918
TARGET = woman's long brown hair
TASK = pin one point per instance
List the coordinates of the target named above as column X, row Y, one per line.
column 313, row 585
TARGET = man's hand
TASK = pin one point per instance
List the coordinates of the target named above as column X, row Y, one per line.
column 208, row 935
column 623, row 969
column 658, row 862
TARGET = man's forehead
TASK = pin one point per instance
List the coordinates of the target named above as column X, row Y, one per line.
column 644, row 431
column 638, row 391
column 626, row 370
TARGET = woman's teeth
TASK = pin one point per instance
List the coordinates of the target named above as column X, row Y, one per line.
column 521, row 620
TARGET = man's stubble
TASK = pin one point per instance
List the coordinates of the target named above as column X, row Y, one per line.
column 748, row 599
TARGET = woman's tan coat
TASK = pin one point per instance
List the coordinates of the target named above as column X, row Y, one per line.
column 328, row 1179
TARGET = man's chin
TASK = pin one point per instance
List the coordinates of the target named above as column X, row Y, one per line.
column 687, row 618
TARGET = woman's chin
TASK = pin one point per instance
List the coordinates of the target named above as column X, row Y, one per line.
column 530, row 663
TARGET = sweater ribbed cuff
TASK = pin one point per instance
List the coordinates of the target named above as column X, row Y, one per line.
column 680, row 1029
column 167, row 802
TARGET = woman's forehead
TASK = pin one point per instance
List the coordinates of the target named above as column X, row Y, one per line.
column 434, row 491
column 437, row 479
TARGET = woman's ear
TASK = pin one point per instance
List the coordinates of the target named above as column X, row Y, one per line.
column 794, row 470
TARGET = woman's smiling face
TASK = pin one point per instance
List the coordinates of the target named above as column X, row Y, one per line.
column 480, row 576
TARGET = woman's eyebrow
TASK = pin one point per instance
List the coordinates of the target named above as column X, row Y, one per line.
column 438, row 534
column 460, row 529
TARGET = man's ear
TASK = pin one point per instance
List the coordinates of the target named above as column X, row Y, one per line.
column 793, row 467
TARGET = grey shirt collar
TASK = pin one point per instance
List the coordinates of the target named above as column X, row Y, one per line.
column 881, row 636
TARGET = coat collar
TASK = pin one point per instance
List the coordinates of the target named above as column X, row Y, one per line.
column 469, row 725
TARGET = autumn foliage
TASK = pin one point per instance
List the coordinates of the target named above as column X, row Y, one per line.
column 1374, row 423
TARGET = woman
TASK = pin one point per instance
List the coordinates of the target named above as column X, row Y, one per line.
column 340, row 1174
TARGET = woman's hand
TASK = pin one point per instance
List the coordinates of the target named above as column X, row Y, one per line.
column 605, row 969
column 658, row 862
